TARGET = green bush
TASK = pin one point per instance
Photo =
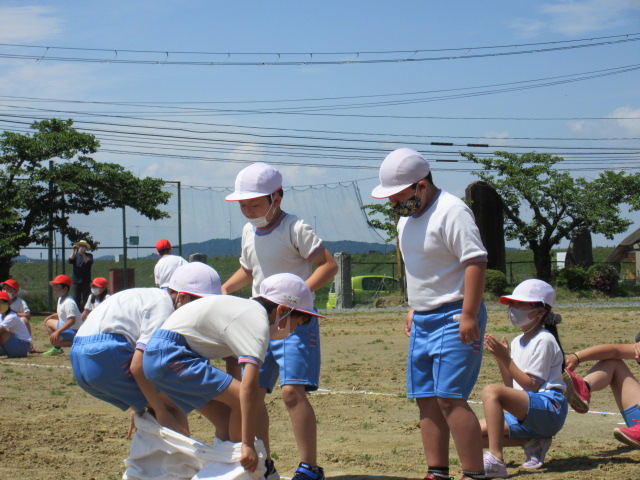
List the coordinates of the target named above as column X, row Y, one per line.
column 573, row 278
column 603, row 277
column 496, row 282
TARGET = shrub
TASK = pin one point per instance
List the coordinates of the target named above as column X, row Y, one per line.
column 573, row 278
column 603, row 277
column 496, row 282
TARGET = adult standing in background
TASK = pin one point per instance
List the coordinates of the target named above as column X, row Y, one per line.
column 445, row 265
column 167, row 264
column 82, row 262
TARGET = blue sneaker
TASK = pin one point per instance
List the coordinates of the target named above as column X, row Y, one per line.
column 308, row 472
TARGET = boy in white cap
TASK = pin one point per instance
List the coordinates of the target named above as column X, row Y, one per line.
column 62, row 326
column 176, row 359
column 167, row 264
column 445, row 265
column 275, row 242
column 106, row 356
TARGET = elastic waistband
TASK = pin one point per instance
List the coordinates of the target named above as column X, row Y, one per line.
column 442, row 308
column 170, row 335
column 100, row 337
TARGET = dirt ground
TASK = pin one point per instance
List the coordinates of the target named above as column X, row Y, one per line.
column 367, row 428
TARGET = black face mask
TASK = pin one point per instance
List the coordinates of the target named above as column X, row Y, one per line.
column 409, row 206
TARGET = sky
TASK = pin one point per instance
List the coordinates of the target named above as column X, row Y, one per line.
column 194, row 91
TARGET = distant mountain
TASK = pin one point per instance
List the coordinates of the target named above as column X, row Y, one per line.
column 220, row 247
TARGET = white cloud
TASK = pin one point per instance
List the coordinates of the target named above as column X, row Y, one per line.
column 628, row 120
column 573, row 18
column 47, row 80
column 28, row 24
column 625, row 123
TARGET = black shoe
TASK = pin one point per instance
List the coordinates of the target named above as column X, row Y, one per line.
column 271, row 473
column 307, row 472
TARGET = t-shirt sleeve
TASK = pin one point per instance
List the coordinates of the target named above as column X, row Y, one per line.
column 464, row 236
column 71, row 309
column 305, row 239
column 248, row 336
column 154, row 316
column 540, row 359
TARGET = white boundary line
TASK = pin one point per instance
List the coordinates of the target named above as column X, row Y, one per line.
column 320, row 391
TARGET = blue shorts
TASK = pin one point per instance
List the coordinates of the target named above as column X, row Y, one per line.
column 14, row 347
column 186, row 377
column 68, row 335
column 631, row 415
column 102, row 366
column 545, row 417
column 438, row 363
column 296, row 359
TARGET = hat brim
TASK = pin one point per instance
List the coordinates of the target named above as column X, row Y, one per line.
column 314, row 314
column 507, row 299
column 235, row 197
column 198, row 294
column 385, row 192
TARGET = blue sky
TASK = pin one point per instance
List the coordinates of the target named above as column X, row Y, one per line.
column 337, row 68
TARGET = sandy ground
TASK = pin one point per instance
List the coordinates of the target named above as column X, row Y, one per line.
column 368, row 429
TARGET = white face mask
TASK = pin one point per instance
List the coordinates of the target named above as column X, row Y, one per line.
column 520, row 318
column 11, row 295
column 83, row 249
column 58, row 293
column 261, row 222
column 95, row 291
column 277, row 333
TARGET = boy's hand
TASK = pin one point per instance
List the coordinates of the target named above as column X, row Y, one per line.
column 408, row 321
column 469, row 329
column 570, row 361
column 248, row 457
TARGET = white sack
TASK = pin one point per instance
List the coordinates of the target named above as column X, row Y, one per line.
column 161, row 454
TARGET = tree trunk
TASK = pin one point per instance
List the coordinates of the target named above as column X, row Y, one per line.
column 5, row 268
column 542, row 260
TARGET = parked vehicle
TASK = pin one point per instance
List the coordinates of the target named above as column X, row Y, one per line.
column 366, row 288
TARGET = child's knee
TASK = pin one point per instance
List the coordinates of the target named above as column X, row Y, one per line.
column 490, row 392
column 294, row 395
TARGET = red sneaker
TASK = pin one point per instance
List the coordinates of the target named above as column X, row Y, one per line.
column 577, row 393
column 629, row 435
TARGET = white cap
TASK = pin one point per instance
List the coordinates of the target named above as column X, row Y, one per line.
column 401, row 169
column 289, row 290
column 256, row 180
column 196, row 279
column 531, row 291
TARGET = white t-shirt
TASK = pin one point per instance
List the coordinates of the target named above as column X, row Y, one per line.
column 16, row 326
column 541, row 358
column 18, row 305
column 165, row 267
column 220, row 326
column 93, row 302
column 135, row 313
column 436, row 248
column 66, row 309
column 286, row 247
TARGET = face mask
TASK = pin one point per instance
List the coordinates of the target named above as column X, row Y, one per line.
column 276, row 333
column 95, row 291
column 4, row 307
column 58, row 293
column 261, row 222
column 11, row 295
column 408, row 207
column 519, row 318
column 83, row 249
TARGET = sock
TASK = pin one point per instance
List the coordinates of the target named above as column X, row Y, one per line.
column 588, row 386
column 439, row 472
column 474, row 475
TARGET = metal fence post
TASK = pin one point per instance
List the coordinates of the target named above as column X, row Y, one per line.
column 343, row 281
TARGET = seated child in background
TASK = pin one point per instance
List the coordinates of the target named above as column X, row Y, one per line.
column 533, row 390
column 609, row 371
column 62, row 326
column 18, row 305
column 99, row 293
column 14, row 336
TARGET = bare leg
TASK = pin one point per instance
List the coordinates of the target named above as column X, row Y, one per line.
column 303, row 420
column 616, row 374
column 465, row 430
column 224, row 412
column 434, row 431
column 262, row 426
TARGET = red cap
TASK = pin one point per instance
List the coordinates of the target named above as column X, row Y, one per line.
column 5, row 296
column 61, row 280
column 163, row 244
column 12, row 284
column 99, row 282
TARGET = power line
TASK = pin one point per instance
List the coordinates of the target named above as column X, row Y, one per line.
column 309, row 58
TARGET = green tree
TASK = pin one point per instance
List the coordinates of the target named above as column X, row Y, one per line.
column 556, row 202
column 389, row 225
column 47, row 175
